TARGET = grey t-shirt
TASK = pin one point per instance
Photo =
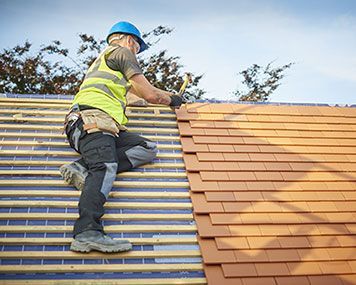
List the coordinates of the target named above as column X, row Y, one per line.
column 122, row 59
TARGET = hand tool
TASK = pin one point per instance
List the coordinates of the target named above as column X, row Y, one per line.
column 187, row 79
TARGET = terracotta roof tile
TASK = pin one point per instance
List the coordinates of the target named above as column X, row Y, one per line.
column 258, row 281
column 304, row 268
column 294, row 280
column 329, row 280
column 225, row 219
column 245, row 230
column 193, row 164
column 236, row 157
column 211, row 254
column 232, row 243
column 335, row 267
column 286, row 218
column 352, row 264
column 251, row 255
column 188, row 143
column 282, row 255
column 239, row 270
column 221, row 148
column 202, row 206
column 275, row 186
column 255, row 218
column 345, row 240
column 262, row 157
column 279, row 230
column 207, row 229
column 230, row 140
column 214, row 274
column 263, row 242
column 205, row 139
column 186, row 130
column 339, row 253
column 324, row 241
column 248, row 196
column 184, row 115
column 219, row 196
column 202, row 124
column 236, row 186
column 216, row 132
column 237, row 207
column 198, row 108
column 272, row 269
column 269, row 176
column 221, row 108
column 241, row 176
column 196, row 184
column 208, row 156
column 214, row 175
column 314, row 254
column 223, row 166
column 246, row 148
column 279, row 166
column 294, row 242
column 252, row 166
column 261, row 185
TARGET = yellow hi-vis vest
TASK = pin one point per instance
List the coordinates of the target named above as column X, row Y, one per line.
column 104, row 89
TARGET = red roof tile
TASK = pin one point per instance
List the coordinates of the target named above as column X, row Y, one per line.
column 274, row 191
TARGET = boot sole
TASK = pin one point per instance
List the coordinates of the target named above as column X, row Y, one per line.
column 72, row 178
column 89, row 246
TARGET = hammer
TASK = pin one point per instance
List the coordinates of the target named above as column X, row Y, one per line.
column 187, row 79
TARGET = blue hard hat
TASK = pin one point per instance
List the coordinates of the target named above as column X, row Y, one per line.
column 128, row 28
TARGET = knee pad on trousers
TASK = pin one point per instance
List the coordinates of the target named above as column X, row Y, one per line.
column 139, row 154
column 109, row 178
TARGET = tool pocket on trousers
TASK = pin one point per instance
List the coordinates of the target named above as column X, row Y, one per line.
column 99, row 155
column 96, row 120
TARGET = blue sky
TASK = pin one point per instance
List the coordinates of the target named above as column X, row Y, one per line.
column 216, row 38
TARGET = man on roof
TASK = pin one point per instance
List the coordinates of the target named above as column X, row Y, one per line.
column 95, row 128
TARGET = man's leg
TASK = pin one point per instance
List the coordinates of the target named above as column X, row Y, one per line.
column 99, row 155
column 132, row 151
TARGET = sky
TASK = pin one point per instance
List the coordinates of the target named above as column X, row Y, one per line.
column 215, row 38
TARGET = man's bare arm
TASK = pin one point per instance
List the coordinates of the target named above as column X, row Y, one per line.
column 142, row 88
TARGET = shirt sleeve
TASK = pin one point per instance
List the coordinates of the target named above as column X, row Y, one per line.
column 122, row 59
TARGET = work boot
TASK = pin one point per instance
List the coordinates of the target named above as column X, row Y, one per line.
column 96, row 240
column 74, row 174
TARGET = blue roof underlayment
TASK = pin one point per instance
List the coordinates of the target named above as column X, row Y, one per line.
column 45, row 210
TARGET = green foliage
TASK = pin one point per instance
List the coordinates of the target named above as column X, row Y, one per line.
column 22, row 71
column 260, row 83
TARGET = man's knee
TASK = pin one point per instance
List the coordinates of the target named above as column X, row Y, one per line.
column 141, row 154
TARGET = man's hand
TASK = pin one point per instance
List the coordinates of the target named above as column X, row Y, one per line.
column 176, row 101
